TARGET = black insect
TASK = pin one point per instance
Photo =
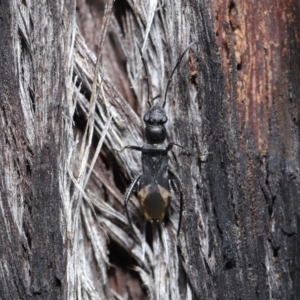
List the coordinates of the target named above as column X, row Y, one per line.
column 153, row 184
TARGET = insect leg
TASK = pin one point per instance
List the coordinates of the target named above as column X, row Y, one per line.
column 137, row 148
column 177, row 187
column 128, row 194
column 171, row 144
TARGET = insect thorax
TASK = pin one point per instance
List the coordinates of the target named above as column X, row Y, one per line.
column 155, row 134
column 154, row 160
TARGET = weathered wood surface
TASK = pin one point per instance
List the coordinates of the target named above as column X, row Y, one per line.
column 64, row 234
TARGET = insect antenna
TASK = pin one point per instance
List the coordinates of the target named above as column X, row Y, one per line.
column 154, row 98
column 177, row 64
column 146, row 72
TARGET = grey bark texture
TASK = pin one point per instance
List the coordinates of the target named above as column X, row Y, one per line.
column 73, row 90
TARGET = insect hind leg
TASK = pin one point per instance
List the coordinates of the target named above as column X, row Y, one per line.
column 176, row 184
column 128, row 194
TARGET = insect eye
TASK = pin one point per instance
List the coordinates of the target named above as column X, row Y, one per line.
column 164, row 119
column 146, row 118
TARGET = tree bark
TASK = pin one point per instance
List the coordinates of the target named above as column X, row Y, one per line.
column 67, row 103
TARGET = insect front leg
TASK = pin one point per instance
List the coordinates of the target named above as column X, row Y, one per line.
column 171, row 144
column 176, row 183
column 136, row 148
column 190, row 152
column 128, row 194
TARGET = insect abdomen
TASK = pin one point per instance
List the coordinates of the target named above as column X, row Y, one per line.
column 154, row 201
